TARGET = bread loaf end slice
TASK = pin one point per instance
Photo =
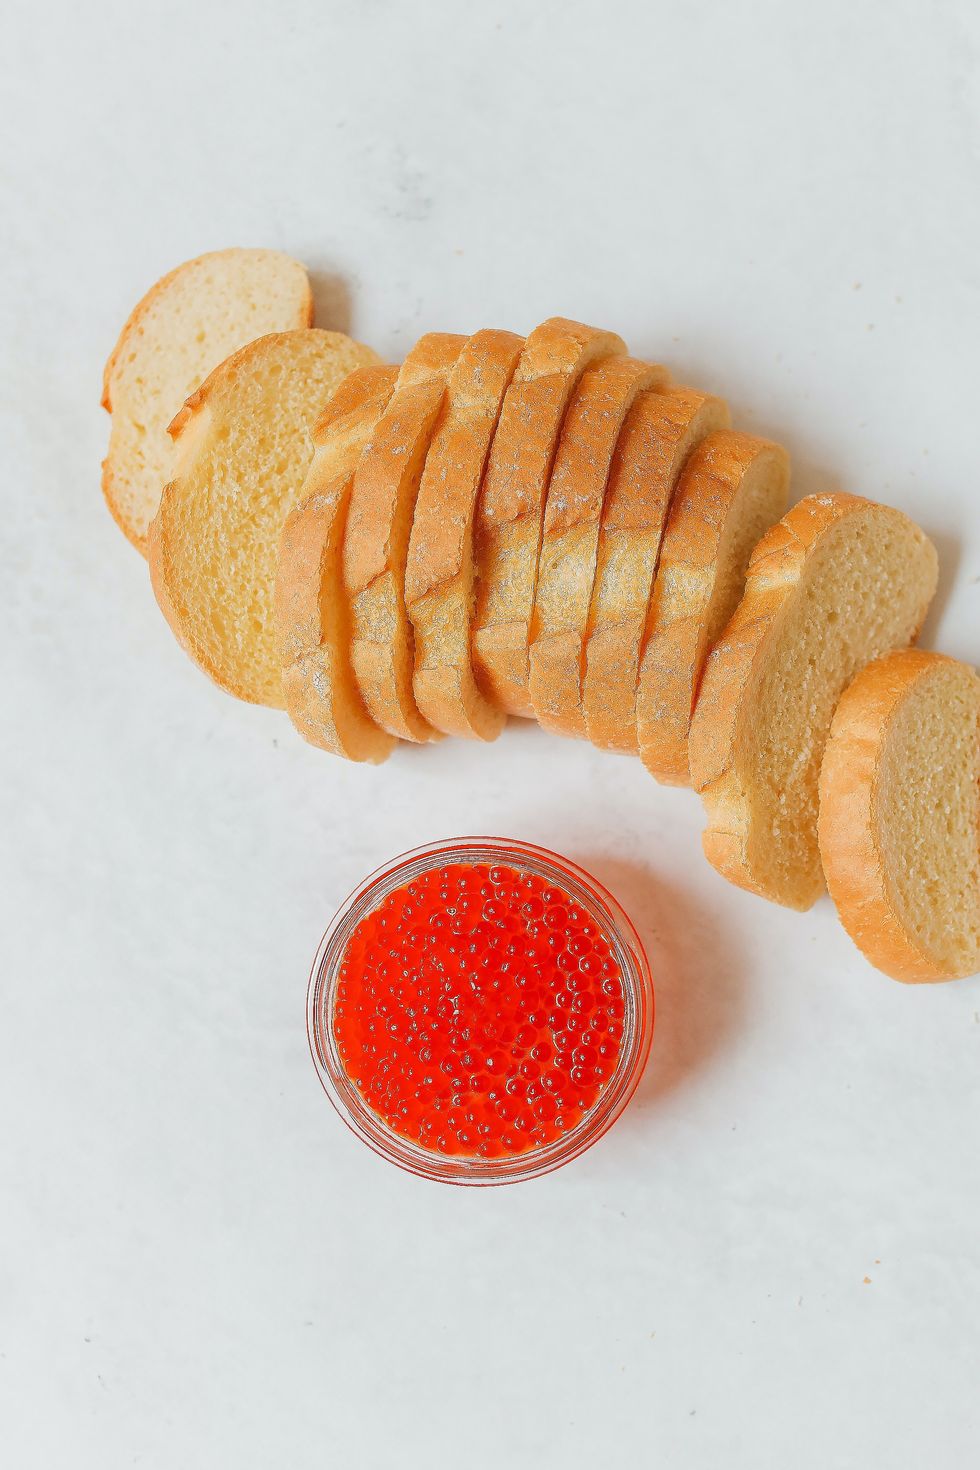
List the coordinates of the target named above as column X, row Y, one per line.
column 899, row 819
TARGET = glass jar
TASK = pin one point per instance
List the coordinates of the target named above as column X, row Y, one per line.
column 637, row 985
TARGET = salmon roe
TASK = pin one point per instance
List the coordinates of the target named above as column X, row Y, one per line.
column 479, row 1010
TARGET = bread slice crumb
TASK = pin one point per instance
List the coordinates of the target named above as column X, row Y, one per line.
column 243, row 453
column 900, row 815
column 836, row 583
column 184, row 326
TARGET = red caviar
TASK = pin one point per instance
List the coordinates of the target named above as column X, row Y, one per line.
column 479, row 1010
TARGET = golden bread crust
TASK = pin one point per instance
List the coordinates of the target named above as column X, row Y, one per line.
column 439, row 573
column 511, row 504
column 377, row 536
column 313, row 625
column 719, row 474
column 656, row 437
column 570, row 536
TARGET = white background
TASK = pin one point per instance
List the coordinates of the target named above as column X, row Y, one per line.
column 199, row 1267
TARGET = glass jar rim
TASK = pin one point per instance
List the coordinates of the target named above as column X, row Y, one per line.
column 637, row 1022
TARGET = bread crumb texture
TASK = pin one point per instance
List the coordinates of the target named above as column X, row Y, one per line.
column 244, row 449
column 838, row 582
column 928, row 816
column 900, row 815
column 187, row 324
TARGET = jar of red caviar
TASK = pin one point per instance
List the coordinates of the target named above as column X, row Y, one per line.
column 480, row 1011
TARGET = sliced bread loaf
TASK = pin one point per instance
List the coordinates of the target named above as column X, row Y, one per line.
column 570, row 537
column 187, row 324
column 439, row 571
column 511, row 503
column 657, row 436
column 243, row 452
column 312, row 617
column 376, row 537
column 837, row 582
column 732, row 488
column 900, row 815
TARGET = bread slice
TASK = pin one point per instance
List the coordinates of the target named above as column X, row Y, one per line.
column 837, row 582
column 243, row 452
column 439, row 572
column 511, row 504
column 900, row 815
column 187, row 324
column 376, row 538
column 312, row 618
column 658, row 435
column 570, row 537
column 732, row 488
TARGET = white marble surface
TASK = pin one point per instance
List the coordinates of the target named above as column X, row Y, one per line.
column 199, row 1268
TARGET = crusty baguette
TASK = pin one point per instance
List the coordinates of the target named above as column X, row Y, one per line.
column 899, row 819
column 837, row 582
column 570, row 536
column 439, row 573
column 312, row 617
column 658, row 435
column 243, row 451
column 185, row 325
column 376, row 537
column 511, row 503
column 732, row 488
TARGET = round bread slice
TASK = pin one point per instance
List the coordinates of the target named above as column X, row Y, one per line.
column 243, row 452
column 731, row 490
column 187, row 324
column 376, row 538
column 837, row 582
column 439, row 573
column 658, row 434
column 511, row 503
column 570, row 537
column 312, row 617
column 899, row 819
